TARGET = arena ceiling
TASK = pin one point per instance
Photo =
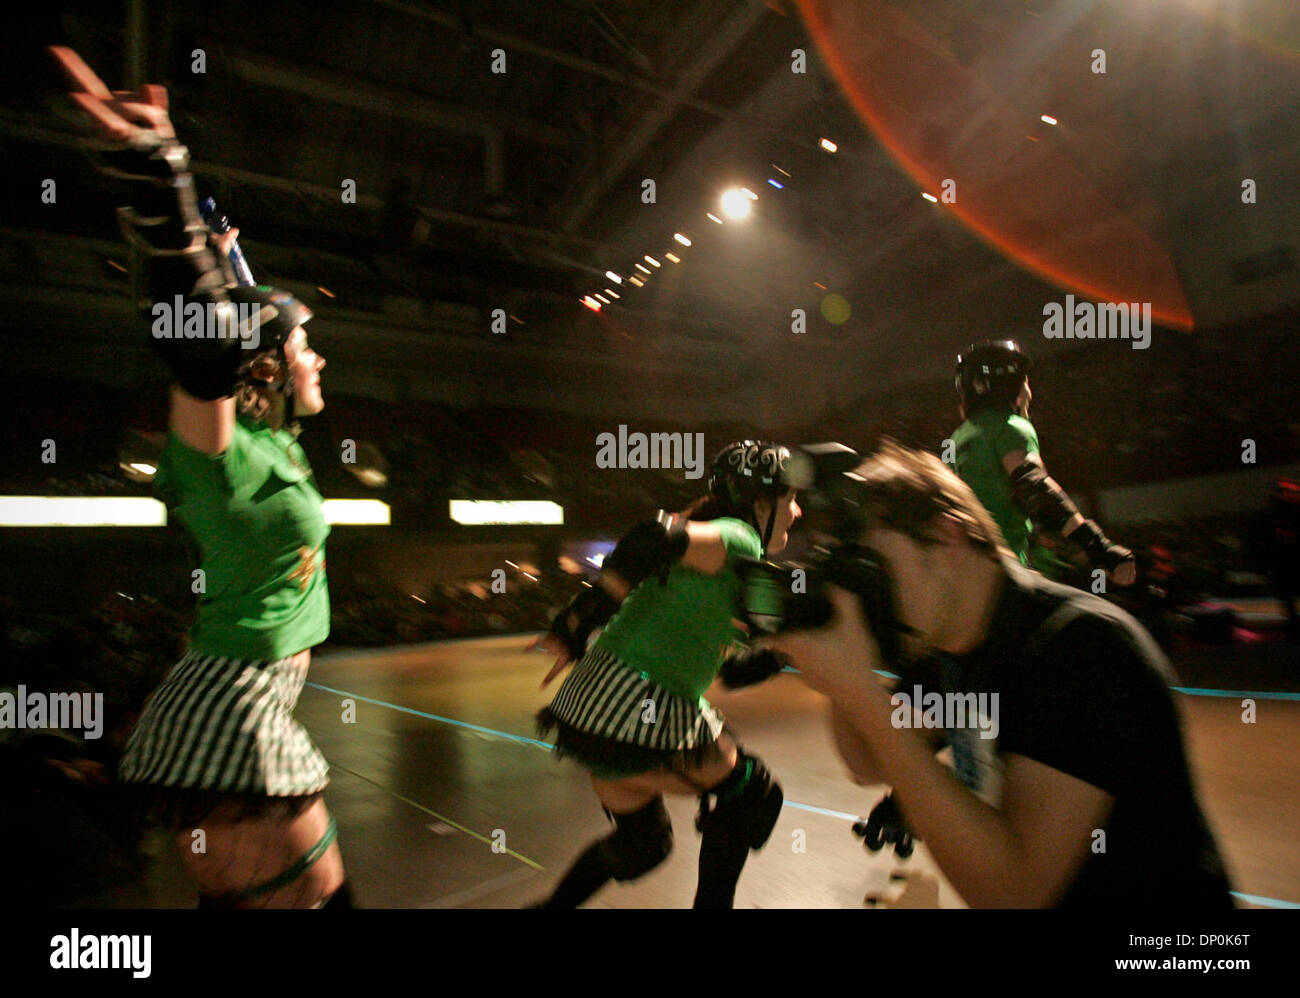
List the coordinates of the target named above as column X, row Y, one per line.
column 500, row 152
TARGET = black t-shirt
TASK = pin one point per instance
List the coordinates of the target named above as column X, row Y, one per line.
column 1082, row 688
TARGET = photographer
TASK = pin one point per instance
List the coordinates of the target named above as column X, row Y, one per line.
column 1083, row 797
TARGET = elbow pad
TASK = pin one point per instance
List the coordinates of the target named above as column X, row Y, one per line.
column 573, row 625
column 1040, row 497
column 647, row 549
column 753, row 665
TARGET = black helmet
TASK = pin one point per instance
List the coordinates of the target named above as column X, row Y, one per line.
column 279, row 314
column 991, row 373
column 748, row 470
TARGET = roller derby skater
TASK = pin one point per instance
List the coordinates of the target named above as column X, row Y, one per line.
column 997, row 455
column 216, row 750
column 633, row 713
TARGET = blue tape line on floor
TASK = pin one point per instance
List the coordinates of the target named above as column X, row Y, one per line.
column 1235, row 694
column 434, row 717
column 521, row 738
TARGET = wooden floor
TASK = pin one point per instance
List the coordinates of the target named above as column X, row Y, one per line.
column 444, row 799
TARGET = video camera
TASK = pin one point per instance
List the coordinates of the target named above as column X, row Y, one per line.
column 788, row 596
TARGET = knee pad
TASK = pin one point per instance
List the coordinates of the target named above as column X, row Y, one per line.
column 640, row 842
column 747, row 802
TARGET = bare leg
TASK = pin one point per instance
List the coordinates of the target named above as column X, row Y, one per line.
column 233, row 855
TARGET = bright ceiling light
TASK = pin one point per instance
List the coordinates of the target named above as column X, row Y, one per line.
column 652, row 261
column 611, row 293
column 714, row 218
column 929, row 197
column 1048, row 118
column 591, row 303
column 828, row 145
column 644, row 269
column 602, row 299
column 478, row 512
column 81, row 511
column 673, row 257
column 681, row 239
column 735, row 203
column 613, row 277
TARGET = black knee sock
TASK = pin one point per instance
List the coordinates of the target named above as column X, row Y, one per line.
column 589, row 874
column 728, row 833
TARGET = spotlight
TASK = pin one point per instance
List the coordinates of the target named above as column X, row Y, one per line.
column 735, row 204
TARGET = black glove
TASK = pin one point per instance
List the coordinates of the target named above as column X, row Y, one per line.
column 1101, row 551
column 753, row 665
column 588, row 610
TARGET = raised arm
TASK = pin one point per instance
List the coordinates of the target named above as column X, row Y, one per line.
column 138, row 145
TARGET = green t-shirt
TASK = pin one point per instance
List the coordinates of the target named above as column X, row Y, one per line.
column 251, row 509
column 677, row 634
column 981, row 443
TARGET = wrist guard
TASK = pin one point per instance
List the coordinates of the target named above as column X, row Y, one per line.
column 588, row 610
column 648, row 549
column 751, row 666
column 1040, row 497
column 162, row 222
column 1099, row 548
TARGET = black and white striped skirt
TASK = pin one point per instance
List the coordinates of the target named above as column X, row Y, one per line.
column 224, row 727
column 617, row 722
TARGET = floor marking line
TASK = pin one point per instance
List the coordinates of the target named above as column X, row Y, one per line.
column 1235, row 694
column 526, row 741
column 440, row 817
column 434, row 717
column 1269, row 902
column 822, row 810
